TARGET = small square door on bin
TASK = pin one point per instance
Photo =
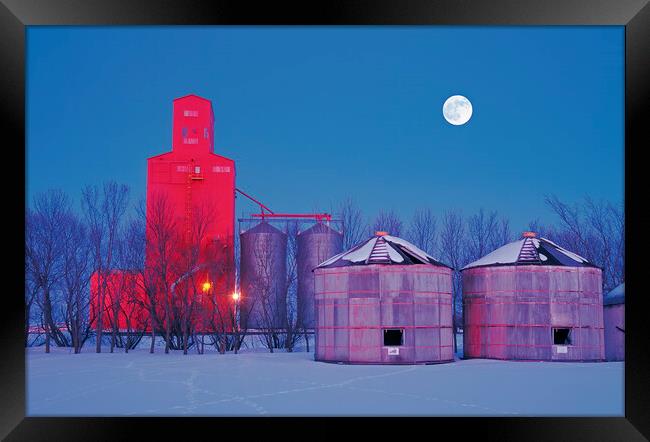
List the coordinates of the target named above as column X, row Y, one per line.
column 393, row 339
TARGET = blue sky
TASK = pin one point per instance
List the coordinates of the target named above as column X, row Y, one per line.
column 313, row 115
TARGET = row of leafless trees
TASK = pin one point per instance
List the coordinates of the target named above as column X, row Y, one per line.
column 595, row 230
column 62, row 249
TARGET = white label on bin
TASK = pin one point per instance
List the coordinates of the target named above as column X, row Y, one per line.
column 561, row 349
column 393, row 350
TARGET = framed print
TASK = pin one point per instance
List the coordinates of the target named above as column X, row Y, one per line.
column 243, row 215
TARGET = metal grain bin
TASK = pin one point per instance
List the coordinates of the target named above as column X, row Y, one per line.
column 533, row 300
column 263, row 280
column 383, row 302
column 614, row 320
column 315, row 245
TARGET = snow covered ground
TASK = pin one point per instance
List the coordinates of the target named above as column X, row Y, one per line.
column 259, row 383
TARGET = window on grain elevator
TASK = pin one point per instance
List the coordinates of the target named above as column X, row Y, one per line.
column 197, row 169
column 205, row 133
column 190, row 113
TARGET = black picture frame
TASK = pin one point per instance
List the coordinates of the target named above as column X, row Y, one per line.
column 15, row 15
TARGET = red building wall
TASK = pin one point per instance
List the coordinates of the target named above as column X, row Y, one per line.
column 124, row 304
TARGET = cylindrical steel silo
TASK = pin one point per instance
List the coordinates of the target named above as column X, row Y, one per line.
column 614, row 321
column 384, row 301
column 315, row 245
column 533, row 300
column 263, row 277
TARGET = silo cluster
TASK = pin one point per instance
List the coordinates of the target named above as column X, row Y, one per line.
column 533, row 300
column 263, row 277
column 315, row 245
column 264, row 283
column 384, row 301
column 614, row 320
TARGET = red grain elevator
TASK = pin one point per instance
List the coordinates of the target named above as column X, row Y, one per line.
column 190, row 230
column 198, row 189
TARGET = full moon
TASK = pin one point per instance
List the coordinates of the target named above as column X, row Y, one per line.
column 457, row 110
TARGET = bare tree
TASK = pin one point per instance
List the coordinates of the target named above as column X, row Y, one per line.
column 607, row 232
column 617, row 270
column 135, row 260
column 130, row 314
column 502, row 234
column 131, row 310
column 96, row 226
column 162, row 238
column 178, row 263
column 221, row 317
column 595, row 230
column 227, row 329
column 148, row 280
column 103, row 211
column 352, row 223
column 387, row 221
column 31, row 291
column 76, row 262
column 574, row 232
column 44, row 248
column 221, row 324
column 422, row 230
column 269, row 285
column 221, row 305
column 193, row 264
column 113, row 302
column 294, row 325
column 481, row 232
column 31, row 276
column 452, row 242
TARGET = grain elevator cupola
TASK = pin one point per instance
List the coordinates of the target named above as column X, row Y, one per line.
column 193, row 124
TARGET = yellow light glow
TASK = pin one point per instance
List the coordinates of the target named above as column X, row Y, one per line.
column 235, row 296
column 207, row 286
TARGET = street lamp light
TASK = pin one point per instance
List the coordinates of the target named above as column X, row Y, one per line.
column 236, row 296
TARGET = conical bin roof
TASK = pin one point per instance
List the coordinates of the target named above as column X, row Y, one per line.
column 531, row 251
column 320, row 228
column 382, row 249
column 263, row 227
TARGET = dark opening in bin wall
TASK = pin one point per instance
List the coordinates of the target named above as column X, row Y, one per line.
column 393, row 337
column 562, row 336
